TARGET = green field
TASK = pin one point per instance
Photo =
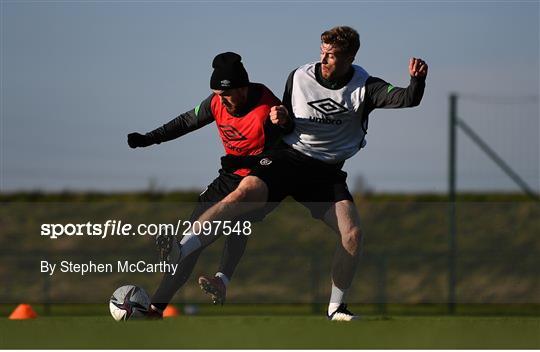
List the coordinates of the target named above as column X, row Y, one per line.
column 239, row 332
column 401, row 286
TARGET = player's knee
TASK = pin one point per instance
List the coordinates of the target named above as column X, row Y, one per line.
column 251, row 189
column 352, row 240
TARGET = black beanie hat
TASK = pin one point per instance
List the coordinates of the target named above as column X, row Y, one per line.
column 229, row 72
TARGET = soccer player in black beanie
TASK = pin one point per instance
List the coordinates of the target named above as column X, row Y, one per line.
column 236, row 106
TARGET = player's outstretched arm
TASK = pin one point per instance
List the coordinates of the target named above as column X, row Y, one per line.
column 381, row 94
column 179, row 126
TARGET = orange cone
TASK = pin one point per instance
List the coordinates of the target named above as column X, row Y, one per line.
column 170, row 311
column 23, row 311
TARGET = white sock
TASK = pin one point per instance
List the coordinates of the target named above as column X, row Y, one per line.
column 337, row 297
column 190, row 243
column 223, row 278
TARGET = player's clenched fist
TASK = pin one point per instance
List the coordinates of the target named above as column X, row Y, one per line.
column 138, row 140
column 417, row 67
column 279, row 115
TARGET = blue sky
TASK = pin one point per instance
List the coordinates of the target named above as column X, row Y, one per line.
column 78, row 76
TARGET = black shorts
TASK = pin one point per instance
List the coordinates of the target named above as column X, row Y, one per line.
column 224, row 184
column 314, row 183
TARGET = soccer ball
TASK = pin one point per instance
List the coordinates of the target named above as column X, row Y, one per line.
column 129, row 302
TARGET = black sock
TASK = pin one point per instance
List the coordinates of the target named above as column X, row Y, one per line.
column 172, row 283
column 233, row 250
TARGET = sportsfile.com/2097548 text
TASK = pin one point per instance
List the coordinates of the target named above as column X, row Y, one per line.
column 119, row 228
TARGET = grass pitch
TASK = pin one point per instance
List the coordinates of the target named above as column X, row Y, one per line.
column 241, row 332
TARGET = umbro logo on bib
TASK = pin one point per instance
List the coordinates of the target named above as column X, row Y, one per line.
column 327, row 107
column 231, row 134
